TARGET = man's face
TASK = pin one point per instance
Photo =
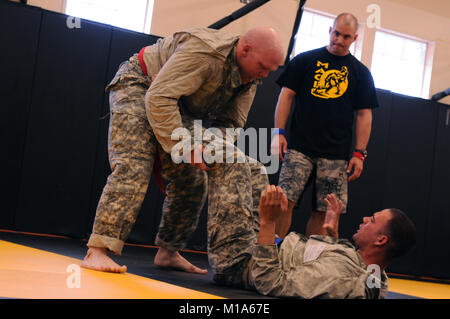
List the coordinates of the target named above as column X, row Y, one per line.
column 371, row 228
column 341, row 38
column 254, row 64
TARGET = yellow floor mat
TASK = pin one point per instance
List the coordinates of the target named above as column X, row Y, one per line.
column 36, row 274
column 32, row 273
column 420, row 289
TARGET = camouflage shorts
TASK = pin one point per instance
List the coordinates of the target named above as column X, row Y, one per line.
column 329, row 176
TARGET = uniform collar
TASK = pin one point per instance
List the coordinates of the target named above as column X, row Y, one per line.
column 235, row 74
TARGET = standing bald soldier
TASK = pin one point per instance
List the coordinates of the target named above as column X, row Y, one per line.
column 197, row 74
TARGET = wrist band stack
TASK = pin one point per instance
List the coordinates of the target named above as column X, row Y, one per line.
column 359, row 155
column 279, row 131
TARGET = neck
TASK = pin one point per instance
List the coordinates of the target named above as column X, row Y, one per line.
column 371, row 257
column 239, row 45
column 334, row 53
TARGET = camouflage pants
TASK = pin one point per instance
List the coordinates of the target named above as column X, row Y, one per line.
column 330, row 177
column 132, row 149
column 233, row 220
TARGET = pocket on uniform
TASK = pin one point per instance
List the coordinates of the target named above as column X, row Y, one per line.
column 121, row 70
column 131, row 135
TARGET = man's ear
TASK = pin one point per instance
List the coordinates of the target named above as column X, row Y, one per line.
column 245, row 50
column 382, row 240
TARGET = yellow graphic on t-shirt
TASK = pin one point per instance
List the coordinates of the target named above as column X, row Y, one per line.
column 329, row 84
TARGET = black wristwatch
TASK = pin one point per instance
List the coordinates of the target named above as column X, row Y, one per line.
column 363, row 152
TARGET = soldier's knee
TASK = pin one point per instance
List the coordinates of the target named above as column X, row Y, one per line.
column 130, row 172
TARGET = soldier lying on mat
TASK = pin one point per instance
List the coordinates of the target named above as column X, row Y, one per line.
column 244, row 252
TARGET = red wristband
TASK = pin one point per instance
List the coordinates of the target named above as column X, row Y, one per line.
column 358, row 155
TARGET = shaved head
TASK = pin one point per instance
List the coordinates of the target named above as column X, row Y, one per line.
column 343, row 34
column 265, row 39
column 347, row 19
column 259, row 51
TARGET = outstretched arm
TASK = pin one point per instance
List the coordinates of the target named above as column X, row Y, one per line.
column 282, row 111
column 272, row 204
column 306, row 280
column 334, row 209
column 363, row 129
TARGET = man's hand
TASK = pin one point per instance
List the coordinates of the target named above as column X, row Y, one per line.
column 334, row 209
column 355, row 164
column 197, row 158
column 272, row 204
column 279, row 146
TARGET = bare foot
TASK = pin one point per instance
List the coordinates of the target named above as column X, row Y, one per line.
column 97, row 259
column 172, row 259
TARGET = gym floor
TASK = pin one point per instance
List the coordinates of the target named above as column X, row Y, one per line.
column 35, row 266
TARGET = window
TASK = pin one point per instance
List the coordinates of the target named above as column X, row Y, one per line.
column 314, row 33
column 131, row 14
column 398, row 64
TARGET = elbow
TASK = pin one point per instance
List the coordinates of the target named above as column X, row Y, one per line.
column 288, row 94
column 268, row 282
column 365, row 113
column 364, row 117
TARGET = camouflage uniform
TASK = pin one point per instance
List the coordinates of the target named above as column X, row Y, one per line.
column 318, row 267
column 131, row 149
column 233, row 220
column 197, row 78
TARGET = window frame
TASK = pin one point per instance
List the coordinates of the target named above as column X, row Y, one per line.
column 428, row 60
column 146, row 27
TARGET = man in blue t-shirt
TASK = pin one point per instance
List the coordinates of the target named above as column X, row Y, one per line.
column 328, row 87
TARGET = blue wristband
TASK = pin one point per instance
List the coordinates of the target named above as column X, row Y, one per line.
column 280, row 131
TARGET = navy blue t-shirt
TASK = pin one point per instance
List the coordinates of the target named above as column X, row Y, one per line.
column 329, row 89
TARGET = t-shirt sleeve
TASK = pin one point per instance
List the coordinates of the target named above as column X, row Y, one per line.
column 367, row 94
column 291, row 77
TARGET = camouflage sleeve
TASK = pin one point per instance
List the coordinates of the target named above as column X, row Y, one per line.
column 376, row 288
column 181, row 75
column 238, row 112
column 322, row 278
column 236, row 115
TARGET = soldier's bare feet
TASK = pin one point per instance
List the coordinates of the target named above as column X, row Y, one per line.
column 172, row 259
column 97, row 259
